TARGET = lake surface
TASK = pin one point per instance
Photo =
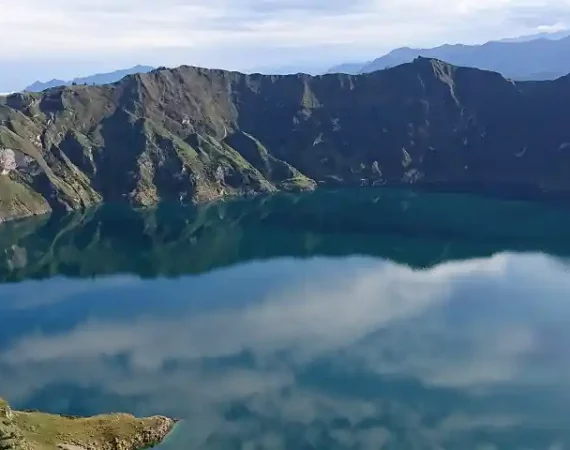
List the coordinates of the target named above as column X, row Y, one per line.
column 364, row 319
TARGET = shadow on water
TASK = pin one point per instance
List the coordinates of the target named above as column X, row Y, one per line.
column 417, row 229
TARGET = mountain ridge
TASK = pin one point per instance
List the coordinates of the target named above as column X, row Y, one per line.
column 192, row 134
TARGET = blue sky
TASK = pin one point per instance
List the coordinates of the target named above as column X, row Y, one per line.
column 68, row 38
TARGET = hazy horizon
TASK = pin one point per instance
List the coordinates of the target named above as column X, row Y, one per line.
column 64, row 39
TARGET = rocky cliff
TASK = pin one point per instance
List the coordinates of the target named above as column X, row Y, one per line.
column 191, row 135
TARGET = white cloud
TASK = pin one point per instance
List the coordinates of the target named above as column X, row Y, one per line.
column 231, row 27
column 342, row 309
column 65, row 39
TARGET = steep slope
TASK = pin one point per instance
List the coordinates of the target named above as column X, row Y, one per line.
column 191, row 135
column 535, row 59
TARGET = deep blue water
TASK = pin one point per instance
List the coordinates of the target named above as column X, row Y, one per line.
column 349, row 320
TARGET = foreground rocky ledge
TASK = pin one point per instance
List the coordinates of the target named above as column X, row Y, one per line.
column 40, row 431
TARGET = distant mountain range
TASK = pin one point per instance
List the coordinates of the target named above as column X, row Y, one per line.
column 531, row 37
column 537, row 57
column 99, row 78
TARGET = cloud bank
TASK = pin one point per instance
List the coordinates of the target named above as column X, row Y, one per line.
column 78, row 36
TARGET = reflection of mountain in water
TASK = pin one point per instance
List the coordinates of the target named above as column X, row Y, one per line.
column 418, row 229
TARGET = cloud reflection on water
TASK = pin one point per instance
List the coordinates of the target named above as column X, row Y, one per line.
column 466, row 330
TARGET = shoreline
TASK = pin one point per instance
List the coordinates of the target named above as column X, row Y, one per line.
column 494, row 191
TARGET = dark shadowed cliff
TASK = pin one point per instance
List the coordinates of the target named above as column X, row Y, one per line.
column 191, row 135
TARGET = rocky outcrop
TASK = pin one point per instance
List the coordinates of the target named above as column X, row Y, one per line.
column 154, row 430
column 7, row 161
column 39, row 431
column 10, row 436
column 190, row 135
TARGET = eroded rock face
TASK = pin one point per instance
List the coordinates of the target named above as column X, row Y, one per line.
column 7, row 161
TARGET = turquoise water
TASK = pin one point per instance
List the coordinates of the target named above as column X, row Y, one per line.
column 370, row 319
